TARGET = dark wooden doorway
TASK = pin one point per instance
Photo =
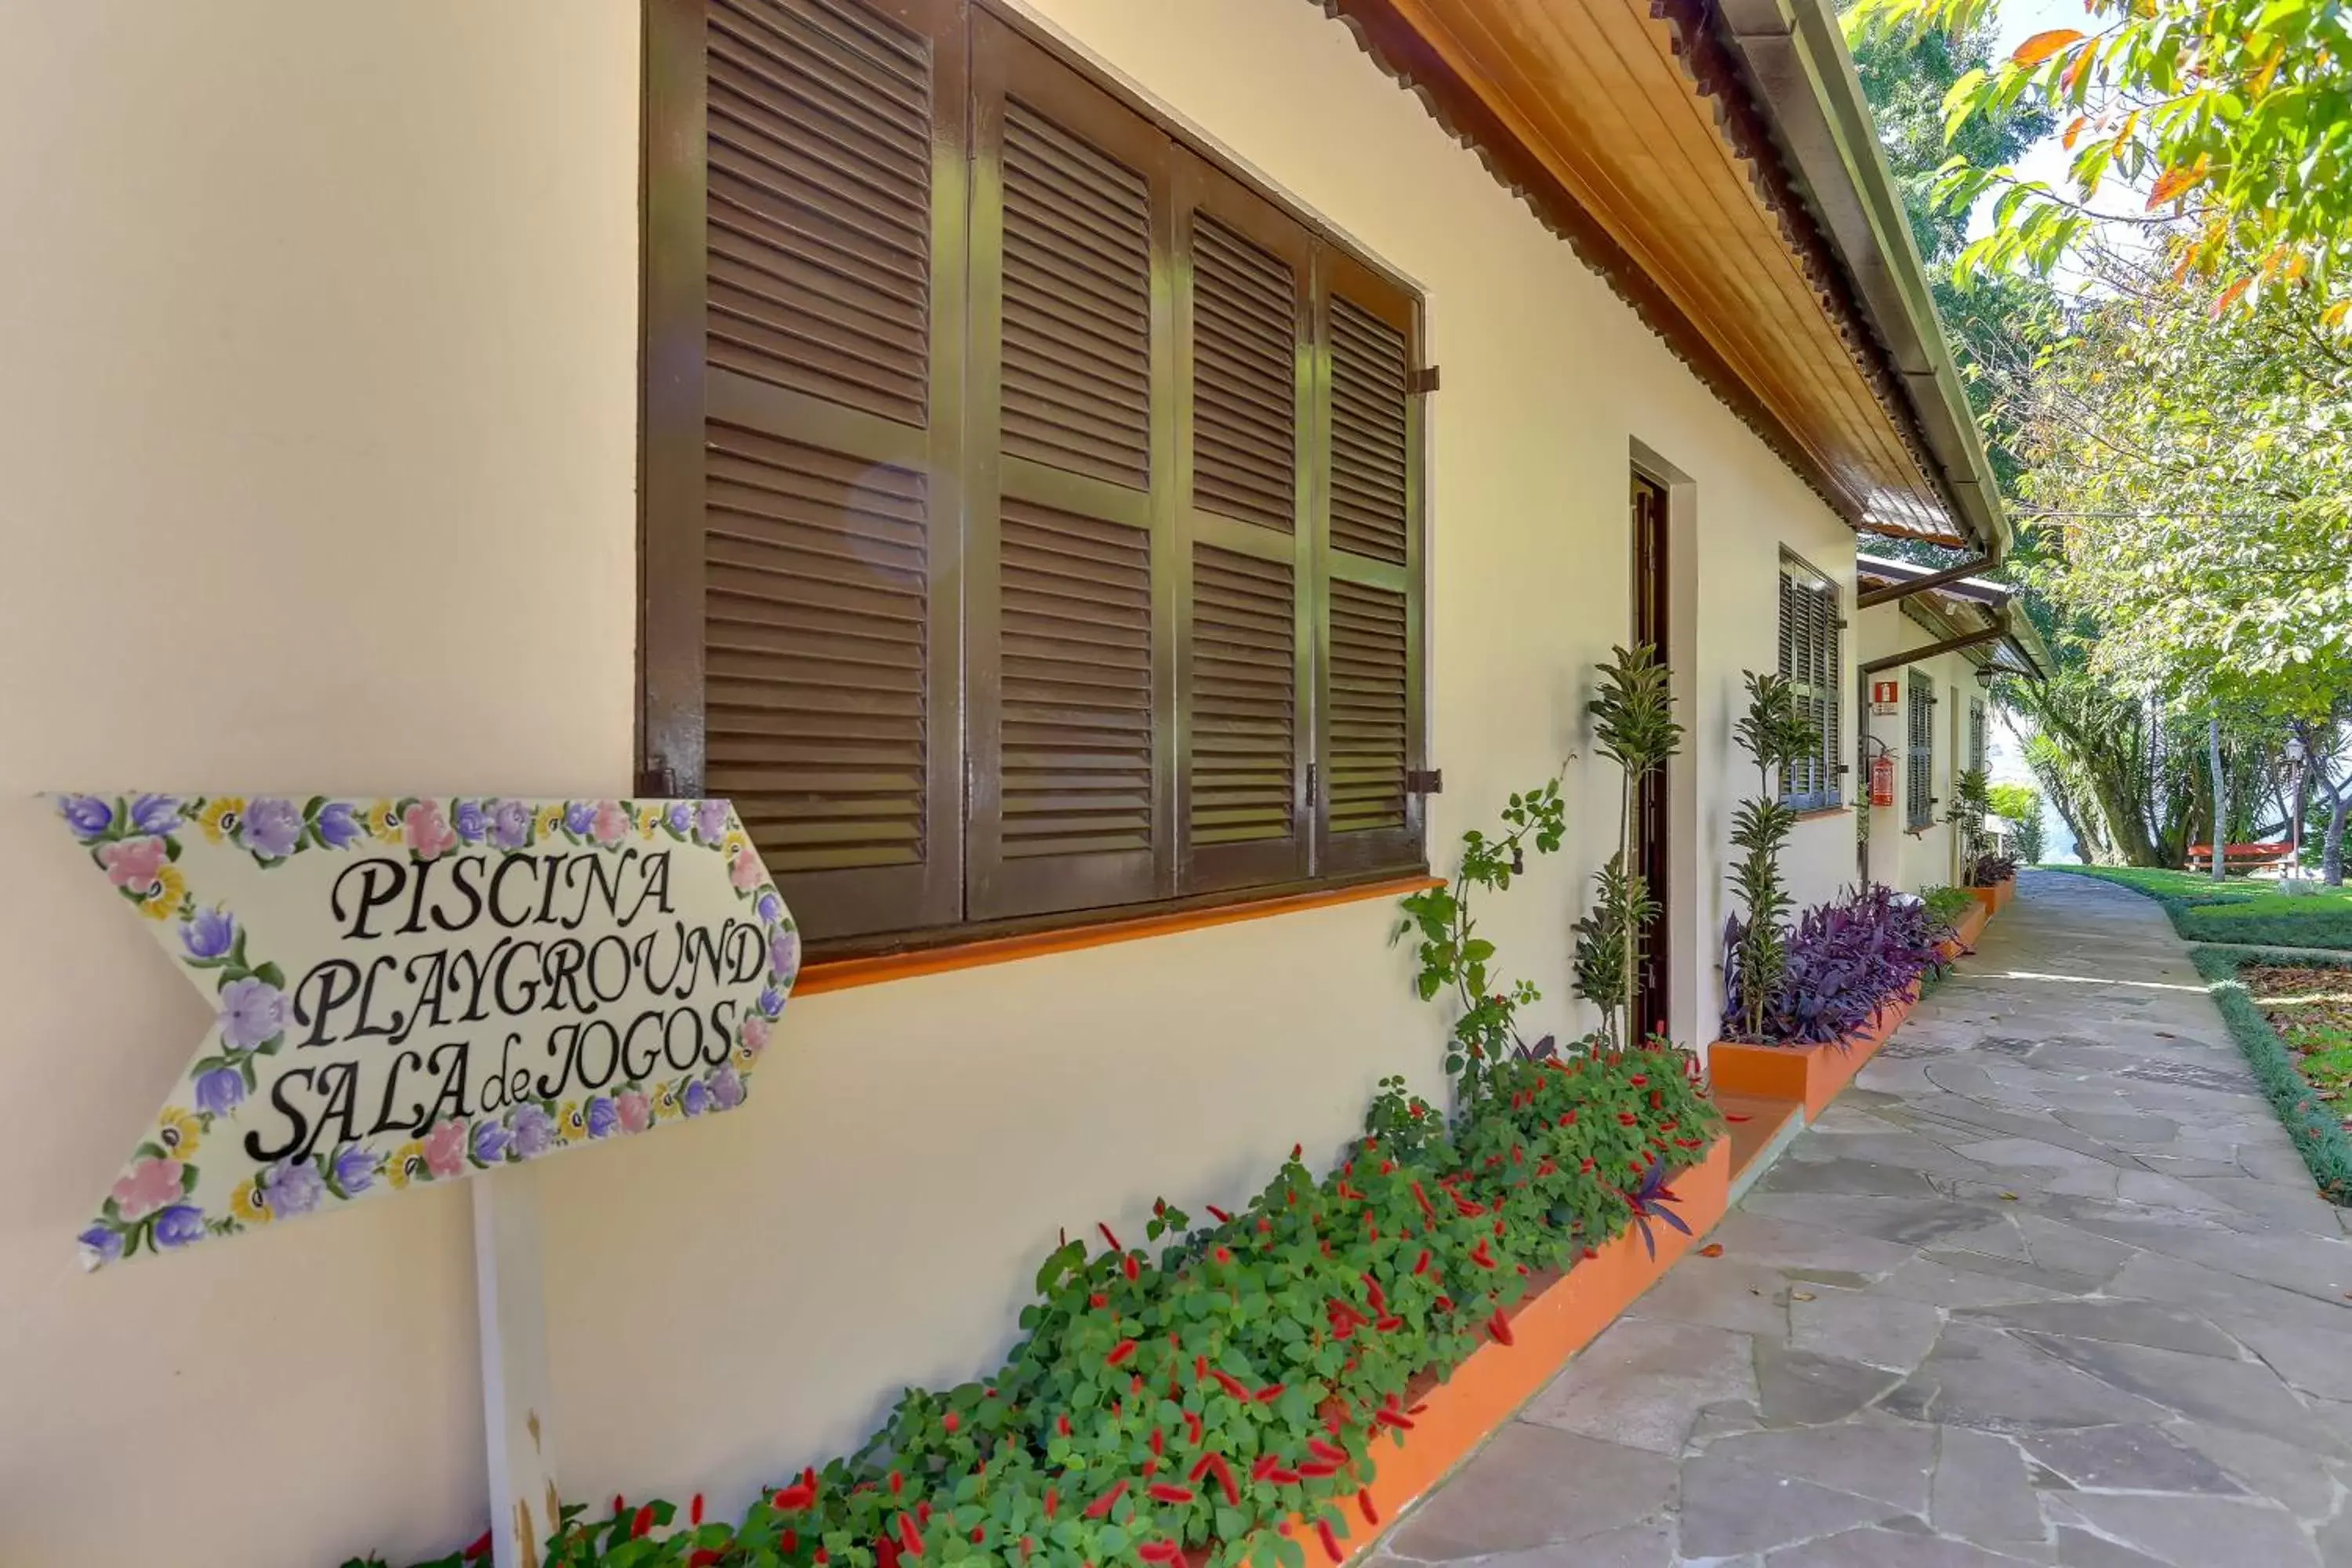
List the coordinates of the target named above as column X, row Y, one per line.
column 1652, row 1007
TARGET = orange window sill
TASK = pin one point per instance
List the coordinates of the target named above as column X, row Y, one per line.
column 841, row 973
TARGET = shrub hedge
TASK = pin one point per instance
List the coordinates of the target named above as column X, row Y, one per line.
column 2236, row 912
column 1195, row 1394
column 2317, row 1131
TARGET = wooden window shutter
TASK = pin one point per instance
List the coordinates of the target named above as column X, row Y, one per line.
column 1070, row 585
column 1244, row 651
column 1920, row 764
column 1368, row 558
column 803, row 434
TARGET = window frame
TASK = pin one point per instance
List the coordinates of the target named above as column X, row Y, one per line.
column 1919, row 751
column 1811, row 657
column 675, row 402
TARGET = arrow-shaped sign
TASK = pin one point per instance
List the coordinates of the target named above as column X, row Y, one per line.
column 410, row 991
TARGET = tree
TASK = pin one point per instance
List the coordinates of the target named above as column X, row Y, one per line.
column 2227, row 123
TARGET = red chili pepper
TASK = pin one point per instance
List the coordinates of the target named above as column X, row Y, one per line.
column 1097, row 1300
column 1639, row 1080
column 951, row 1421
column 1160, row 1552
column 1266, row 1464
column 1393, row 1419
column 1115, row 1247
column 1444, row 1303
column 1283, row 1478
column 910, row 1540
column 1586, row 1168
column 1193, row 1423
column 979, row 1534
column 1323, row 1450
column 1318, row 1468
column 1100, row 1508
column 1330, row 1542
column 923, row 1512
column 1062, row 1424
column 481, row 1548
column 1222, row 1216
column 789, row 1542
column 1052, row 1502
column 619, row 1507
column 1167, row 1492
column 1372, row 1289
column 792, row 1499
column 1296, row 1150
column 1269, row 1393
column 643, row 1525
column 1566, row 1121
column 1159, row 1440
column 1549, row 1168
column 1224, row 1255
column 1128, row 1266
column 1389, row 1325
column 1500, row 1327
column 1135, row 1384
column 1422, row 1199
column 1119, row 1352
column 1229, row 1383
column 822, row 1556
column 898, row 1483
column 1590, row 1253
column 1364, row 1502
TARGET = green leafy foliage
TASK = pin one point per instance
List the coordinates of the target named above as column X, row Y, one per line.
column 1194, row 1393
column 1633, row 725
column 1970, row 801
column 2316, row 1127
column 1774, row 734
column 1455, row 958
column 2228, row 123
column 1948, row 906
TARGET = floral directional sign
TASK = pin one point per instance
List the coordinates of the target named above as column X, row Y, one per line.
column 410, row 991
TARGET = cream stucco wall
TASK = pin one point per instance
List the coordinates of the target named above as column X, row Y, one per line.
column 319, row 461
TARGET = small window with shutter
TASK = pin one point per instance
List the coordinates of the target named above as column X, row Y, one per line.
column 1813, row 660
column 1919, row 759
column 1033, row 517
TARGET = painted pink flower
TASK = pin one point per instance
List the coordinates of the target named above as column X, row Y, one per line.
column 133, row 863
column 151, row 1184
column 636, row 1111
column 444, row 1148
column 747, row 872
column 612, row 822
column 428, row 832
column 755, row 1033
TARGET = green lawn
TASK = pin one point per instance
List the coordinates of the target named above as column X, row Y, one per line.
column 2285, row 1012
column 2239, row 912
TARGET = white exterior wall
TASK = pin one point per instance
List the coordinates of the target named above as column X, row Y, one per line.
column 1915, row 861
column 318, row 448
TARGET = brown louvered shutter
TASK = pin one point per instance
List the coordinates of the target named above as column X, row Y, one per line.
column 1069, row 586
column 1244, row 654
column 1369, row 557
column 804, row 350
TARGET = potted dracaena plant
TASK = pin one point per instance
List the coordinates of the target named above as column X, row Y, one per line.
column 1756, row 949
column 1633, row 725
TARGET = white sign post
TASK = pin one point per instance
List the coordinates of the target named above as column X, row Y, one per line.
column 419, row 990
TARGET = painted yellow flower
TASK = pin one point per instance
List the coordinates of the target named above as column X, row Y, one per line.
column 247, row 1204
column 162, row 900
column 178, row 1131
column 665, row 1104
column 648, row 822
column 406, row 1165
column 734, row 843
column 384, row 821
column 549, row 819
column 571, row 1126
column 220, row 818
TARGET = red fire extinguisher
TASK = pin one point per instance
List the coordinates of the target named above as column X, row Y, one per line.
column 1882, row 780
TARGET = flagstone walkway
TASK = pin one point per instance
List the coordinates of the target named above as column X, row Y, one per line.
column 2047, row 1285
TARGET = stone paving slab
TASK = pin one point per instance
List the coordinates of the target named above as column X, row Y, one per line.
column 2048, row 1286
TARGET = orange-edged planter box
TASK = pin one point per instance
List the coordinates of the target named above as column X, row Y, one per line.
column 1811, row 1075
column 1547, row 1328
column 1991, row 898
column 1965, row 932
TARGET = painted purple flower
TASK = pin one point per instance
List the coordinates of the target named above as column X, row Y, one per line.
column 711, row 821
column 580, row 816
column 220, row 1091
column 100, row 1244
column 772, row 1003
column 251, row 1010
column 272, row 827
column 86, row 815
column 355, row 1169
column 340, row 826
column 155, row 814
column 535, row 1132
column 209, row 933
column 183, row 1222
column 681, row 817
column 470, row 821
column 770, row 908
column 292, row 1187
column 784, row 955
column 490, row 1142
column 510, row 824
column 727, row 1088
column 603, row 1118
column 697, row 1097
